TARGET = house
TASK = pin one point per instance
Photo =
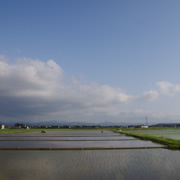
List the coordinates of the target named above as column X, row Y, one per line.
column 143, row 126
column 2, row 126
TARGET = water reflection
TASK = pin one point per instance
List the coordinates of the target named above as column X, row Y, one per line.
column 107, row 164
column 72, row 139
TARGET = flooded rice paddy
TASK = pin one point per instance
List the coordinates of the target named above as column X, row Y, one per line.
column 95, row 161
column 148, row 164
column 72, row 139
column 173, row 133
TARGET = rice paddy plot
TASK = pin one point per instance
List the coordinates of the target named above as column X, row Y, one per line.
column 72, row 139
column 91, row 164
column 173, row 133
column 59, row 138
column 78, row 144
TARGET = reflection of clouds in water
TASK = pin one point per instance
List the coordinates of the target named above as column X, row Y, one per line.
column 107, row 164
column 169, row 133
column 77, row 144
column 159, row 162
column 75, row 135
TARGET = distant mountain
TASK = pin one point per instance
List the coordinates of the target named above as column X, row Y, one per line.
column 106, row 123
column 61, row 123
column 167, row 125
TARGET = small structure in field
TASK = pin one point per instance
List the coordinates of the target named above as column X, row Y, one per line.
column 143, row 126
column 2, row 126
column 43, row 131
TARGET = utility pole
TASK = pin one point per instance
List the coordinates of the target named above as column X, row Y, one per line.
column 146, row 121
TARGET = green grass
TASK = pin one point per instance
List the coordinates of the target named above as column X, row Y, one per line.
column 172, row 143
column 173, row 133
column 150, row 128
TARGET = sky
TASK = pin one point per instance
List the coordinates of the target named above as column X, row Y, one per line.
column 90, row 61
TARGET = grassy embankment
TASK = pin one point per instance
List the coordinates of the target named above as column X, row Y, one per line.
column 171, row 143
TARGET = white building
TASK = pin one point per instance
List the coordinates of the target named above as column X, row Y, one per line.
column 143, row 126
column 2, row 126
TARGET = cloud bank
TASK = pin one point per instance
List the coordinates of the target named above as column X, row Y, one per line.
column 168, row 88
column 33, row 88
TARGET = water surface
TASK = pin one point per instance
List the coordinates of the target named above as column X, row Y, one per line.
column 72, row 139
column 173, row 133
column 156, row 164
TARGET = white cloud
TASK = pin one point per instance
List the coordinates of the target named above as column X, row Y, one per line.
column 36, row 88
column 29, row 77
column 168, row 88
column 95, row 94
column 35, row 84
column 148, row 96
column 151, row 95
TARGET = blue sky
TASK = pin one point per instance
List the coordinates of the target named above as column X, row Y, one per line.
column 126, row 52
